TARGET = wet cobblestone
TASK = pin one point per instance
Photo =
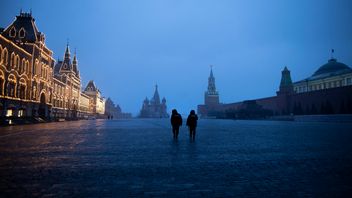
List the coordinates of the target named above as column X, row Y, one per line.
column 138, row 158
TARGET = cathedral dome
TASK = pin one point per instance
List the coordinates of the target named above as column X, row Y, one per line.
column 332, row 67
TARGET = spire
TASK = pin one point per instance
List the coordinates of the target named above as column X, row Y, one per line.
column 156, row 97
column 211, row 71
column 211, row 96
column 75, row 64
column 74, row 57
column 67, row 51
column 211, row 83
column 332, row 53
column 66, row 65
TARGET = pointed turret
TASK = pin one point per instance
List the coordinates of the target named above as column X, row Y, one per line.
column 75, row 65
column 66, row 65
column 156, row 97
column 67, row 52
column 211, row 72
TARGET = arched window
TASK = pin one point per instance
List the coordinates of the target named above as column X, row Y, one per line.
column 27, row 67
column 12, row 60
column 4, row 56
column 35, row 68
column 11, row 86
column 23, row 66
column 2, row 82
column 12, row 32
column 34, row 91
column 22, row 89
column 18, row 62
column 22, row 33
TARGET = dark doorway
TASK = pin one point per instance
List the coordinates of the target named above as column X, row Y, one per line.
column 42, row 106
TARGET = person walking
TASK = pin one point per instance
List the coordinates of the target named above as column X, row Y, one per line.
column 176, row 122
column 192, row 124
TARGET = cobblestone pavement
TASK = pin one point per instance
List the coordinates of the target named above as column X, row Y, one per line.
column 138, row 158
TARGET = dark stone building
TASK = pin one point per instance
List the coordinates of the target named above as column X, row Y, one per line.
column 327, row 91
column 113, row 111
column 154, row 108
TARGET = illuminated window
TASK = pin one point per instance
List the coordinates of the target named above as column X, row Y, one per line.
column 20, row 113
column 9, row 113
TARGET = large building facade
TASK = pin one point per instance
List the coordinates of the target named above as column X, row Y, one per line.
column 26, row 70
column 67, row 87
column 32, row 85
column 97, row 102
column 154, row 108
column 327, row 91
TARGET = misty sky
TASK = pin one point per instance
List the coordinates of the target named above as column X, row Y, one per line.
column 128, row 46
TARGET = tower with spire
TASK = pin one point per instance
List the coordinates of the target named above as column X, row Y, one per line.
column 66, row 73
column 286, row 85
column 153, row 108
column 211, row 96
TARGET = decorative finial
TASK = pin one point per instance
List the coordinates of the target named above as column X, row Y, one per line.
column 332, row 53
column 75, row 51
column 68, row 42
column 21, row 11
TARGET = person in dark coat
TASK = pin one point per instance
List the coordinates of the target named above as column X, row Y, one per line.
column 176, row 122
column 192, row 124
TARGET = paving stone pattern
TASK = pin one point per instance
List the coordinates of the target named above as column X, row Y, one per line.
column 139, row 158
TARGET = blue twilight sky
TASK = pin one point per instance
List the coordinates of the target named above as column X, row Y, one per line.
column 129, row 46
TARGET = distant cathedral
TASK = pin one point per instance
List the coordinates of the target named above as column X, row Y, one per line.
column 154, row 108
column 211, row 96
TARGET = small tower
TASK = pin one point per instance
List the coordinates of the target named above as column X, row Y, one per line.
column 66, row 65
column 75, row 65
column 286, row 86
column 211, row 96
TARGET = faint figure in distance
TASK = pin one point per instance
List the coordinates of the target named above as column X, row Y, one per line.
column 192, row 124
column 176, row 122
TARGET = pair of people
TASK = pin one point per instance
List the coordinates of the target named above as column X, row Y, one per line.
column 176, row 122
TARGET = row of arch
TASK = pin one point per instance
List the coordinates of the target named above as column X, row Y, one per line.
column 14, row 88
column 42, row 69
column 22, row 66
column 61, row 102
